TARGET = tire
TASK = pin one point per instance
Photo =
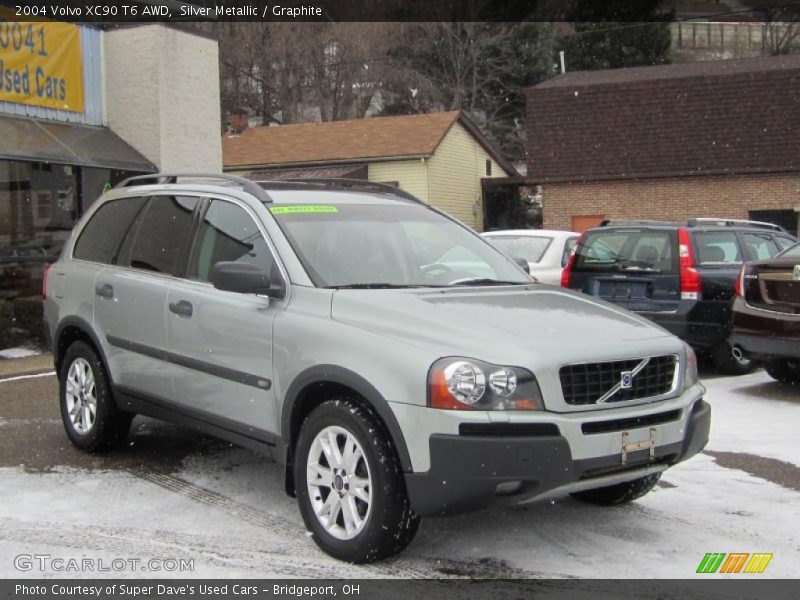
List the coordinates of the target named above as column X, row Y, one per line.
column 372, row 487
column 727, row 364
column 621, row 493
column 91, row 418
column 785, row 370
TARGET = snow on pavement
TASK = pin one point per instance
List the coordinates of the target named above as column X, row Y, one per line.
column 225, row 509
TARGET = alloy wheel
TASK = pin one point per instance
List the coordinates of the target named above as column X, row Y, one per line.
column 339, row 482
column 81, row 396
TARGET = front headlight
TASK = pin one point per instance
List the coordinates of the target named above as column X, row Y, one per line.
column 690, row 376
column 467, row 384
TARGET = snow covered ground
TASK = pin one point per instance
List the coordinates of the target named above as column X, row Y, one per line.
column 224, row 507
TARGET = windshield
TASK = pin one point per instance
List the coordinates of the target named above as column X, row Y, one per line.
column 792, row 252
column 378, row 245
column 528, row 247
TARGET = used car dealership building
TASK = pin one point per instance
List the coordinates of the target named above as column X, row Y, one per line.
column 80, row 109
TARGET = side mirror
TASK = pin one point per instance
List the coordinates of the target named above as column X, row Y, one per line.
column 243, row 278
column 523, row 264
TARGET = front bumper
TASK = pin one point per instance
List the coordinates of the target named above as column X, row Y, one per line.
column 466, row 470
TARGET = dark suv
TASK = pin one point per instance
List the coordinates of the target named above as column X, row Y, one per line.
column 681, row 276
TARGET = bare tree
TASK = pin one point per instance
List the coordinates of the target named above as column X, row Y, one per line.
column 782, row 31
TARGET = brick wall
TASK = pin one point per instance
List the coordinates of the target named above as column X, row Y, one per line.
column 670, row 198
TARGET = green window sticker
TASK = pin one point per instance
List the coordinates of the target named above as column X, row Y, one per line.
column 303, row 208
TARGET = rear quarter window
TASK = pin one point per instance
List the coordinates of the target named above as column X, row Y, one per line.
column 106, row 227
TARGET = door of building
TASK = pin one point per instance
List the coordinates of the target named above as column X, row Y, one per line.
column 786, row 218
column 581, row 223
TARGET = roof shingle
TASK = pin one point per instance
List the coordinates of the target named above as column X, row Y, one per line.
column 338, row 141
column 715, row 117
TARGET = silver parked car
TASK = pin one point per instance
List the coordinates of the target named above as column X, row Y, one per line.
column 547, row 251
column 315, row 321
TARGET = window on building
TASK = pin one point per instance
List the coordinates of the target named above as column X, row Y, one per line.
column 228, row 234
column 164, row 228
column 488, row 167
column 786, row 218
column 38, row 208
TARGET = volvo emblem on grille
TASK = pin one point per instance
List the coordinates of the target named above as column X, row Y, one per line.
column 626, row 381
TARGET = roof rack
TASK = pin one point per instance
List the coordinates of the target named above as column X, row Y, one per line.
column 733, row 223
column 346, row 183
column 617, row 222
column 248, row 185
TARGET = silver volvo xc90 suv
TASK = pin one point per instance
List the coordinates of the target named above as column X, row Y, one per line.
column 397, row 364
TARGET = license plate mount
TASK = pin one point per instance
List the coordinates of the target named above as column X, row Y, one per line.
column 648, row 444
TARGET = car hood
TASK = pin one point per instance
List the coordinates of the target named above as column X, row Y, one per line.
column 499, row 324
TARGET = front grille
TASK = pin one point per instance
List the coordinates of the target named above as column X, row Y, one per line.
column 586, row 383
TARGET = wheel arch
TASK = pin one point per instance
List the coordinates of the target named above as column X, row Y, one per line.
column 72, row 329
column 319, row 383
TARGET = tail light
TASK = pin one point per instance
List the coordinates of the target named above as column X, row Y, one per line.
column 570, row 262
column 738, row 287
column 44, row 280
column 689, row 277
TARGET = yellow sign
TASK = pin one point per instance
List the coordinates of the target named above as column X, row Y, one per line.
column 41, row 64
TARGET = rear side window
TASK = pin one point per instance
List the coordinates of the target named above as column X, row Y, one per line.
column 717, row 247
column 760, row 246
column 784, row 241
column 793, row 251
column 161, row 233
column 107, row 226
column 627, row 251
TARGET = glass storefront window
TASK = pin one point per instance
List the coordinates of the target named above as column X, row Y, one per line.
column 39, row 205
column 38, row 208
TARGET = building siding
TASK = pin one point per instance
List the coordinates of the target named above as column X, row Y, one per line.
column 410, row 175
column 455, row 172
column 729, row 196
column 163, row 99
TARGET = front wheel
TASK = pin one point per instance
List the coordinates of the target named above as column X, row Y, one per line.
column 786, row 370
column 350, row 486
column 620, row 493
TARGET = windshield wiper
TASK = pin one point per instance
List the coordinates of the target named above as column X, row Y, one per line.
column 486, row 281
column 372, row 286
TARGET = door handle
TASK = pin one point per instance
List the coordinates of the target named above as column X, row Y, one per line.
column 105, row 290
column 182, row 308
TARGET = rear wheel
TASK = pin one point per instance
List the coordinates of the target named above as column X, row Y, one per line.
column 786, row 370
column 731, row 361
column 350, row 487
column 91, row 418
column 620, row 493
